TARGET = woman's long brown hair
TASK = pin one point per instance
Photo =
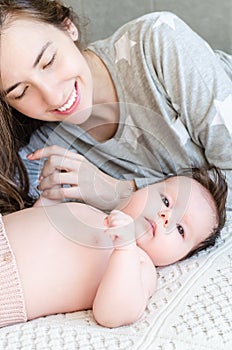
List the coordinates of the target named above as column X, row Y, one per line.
column 14, row 184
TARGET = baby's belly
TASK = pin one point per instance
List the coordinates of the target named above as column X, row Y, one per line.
column 57, row 274
column 75, row 288
column 69, row 285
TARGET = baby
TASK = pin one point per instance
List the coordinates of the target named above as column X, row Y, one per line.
column 71, row 256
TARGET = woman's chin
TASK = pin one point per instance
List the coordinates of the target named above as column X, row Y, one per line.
column 78, row 117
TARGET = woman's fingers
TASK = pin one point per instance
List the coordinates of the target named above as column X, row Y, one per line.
column 73, row 192
column 58, row 178
column 56, row 162
column 51, row 150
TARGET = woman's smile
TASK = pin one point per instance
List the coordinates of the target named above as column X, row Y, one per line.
column 71, row 104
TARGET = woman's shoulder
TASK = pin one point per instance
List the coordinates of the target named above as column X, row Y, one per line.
column 149, row 19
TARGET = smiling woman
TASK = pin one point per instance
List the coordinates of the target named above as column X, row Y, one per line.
column 40, row 90
column 17, row 89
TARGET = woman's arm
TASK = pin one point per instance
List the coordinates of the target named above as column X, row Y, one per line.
column 197, row 82
column 130, row 278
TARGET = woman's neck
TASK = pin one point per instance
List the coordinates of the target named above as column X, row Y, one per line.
column 104, row 119
column 104, row 91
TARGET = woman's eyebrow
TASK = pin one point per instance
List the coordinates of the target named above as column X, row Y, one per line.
column 7, row 91
column 37, row 60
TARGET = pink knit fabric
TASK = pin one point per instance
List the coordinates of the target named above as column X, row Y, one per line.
column 12, row 306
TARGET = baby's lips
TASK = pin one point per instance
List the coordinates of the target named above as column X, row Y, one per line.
column 153, row 225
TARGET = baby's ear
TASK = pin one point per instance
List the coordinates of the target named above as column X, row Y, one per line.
column 71, row 28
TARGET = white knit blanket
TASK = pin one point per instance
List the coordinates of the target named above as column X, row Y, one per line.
column 191, row 310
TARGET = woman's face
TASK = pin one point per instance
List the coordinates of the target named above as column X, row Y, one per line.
column 43, row 72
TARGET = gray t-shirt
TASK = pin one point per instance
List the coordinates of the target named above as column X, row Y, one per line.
column 175, row 103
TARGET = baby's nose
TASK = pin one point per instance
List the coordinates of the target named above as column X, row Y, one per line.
column 164, row 215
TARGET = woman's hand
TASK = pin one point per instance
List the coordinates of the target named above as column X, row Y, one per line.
column 84, row 181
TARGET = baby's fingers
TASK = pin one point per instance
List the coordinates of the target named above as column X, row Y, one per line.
column 118, row 218
column 120, row 229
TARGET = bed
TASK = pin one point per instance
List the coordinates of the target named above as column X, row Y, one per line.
column 191, row 310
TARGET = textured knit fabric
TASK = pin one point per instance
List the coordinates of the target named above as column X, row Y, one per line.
column 12, row 307
column 175, row 97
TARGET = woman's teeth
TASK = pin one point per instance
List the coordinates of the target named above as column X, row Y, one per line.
column 69, row 103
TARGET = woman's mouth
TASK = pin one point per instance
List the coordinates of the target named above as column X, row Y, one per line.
column 71, row 104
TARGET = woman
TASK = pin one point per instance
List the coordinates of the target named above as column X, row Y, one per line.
column 144, row 103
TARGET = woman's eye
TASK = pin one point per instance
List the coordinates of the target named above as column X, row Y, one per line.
column 22, row 94
column 180, row 230
column 50, row 62
column 165, row 201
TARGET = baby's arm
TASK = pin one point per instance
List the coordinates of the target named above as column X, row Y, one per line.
column 130, row 278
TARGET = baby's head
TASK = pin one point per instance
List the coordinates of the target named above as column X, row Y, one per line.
column 179, row 216
column 215, row 184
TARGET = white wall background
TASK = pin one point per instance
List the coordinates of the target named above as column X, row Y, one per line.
column 212, row 19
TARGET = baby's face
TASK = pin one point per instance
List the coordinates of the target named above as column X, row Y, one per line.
column 172, row 217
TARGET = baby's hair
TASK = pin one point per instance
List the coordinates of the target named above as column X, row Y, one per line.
column 213, row 180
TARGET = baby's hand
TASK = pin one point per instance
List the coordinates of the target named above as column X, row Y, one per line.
column 121, row 229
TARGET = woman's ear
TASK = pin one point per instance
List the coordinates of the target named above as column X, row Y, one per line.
column 71, row 29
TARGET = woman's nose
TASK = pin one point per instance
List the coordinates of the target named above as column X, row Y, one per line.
column 164, row 215
column 51, row 95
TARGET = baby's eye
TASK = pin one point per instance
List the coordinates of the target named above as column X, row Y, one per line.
column 180, row 230
column 165, row 201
